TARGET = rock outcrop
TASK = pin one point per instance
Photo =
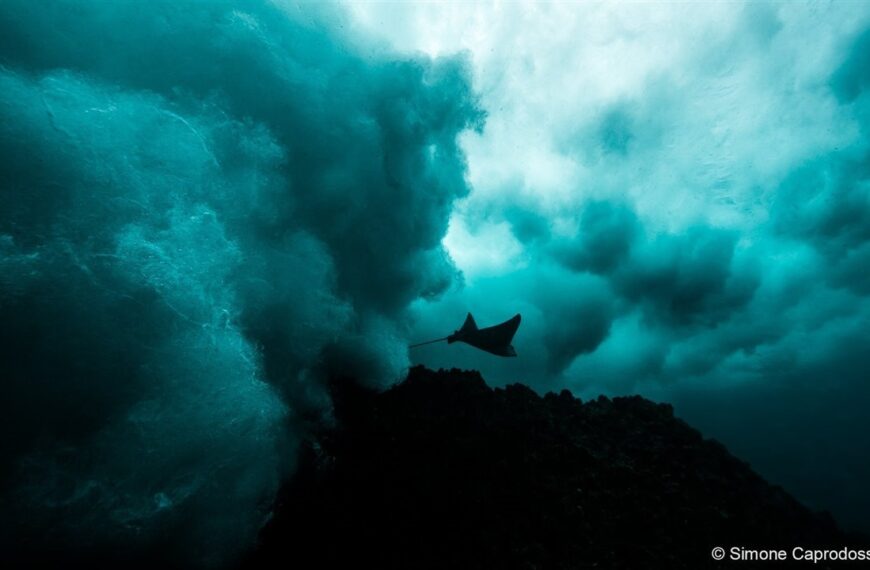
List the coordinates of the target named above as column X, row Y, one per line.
column 442, row 471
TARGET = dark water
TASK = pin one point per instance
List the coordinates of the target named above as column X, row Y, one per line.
column 207, row 208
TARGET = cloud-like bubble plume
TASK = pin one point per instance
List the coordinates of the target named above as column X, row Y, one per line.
column 204, row 209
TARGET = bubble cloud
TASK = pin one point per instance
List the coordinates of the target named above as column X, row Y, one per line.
column 205, row 209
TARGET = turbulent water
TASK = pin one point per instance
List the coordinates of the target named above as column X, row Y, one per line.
column 209, row 207
column 193, row 197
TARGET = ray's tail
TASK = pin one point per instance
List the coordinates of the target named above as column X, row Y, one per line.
column 427, row 342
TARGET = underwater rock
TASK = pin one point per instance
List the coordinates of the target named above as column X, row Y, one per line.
column 442, row 471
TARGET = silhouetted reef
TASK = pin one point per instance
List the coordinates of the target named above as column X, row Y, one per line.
column 442, row 471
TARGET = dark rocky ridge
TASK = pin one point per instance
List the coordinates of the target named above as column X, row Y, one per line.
column 442, row 471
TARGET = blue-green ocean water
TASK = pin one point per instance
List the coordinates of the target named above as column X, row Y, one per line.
column 206, row 208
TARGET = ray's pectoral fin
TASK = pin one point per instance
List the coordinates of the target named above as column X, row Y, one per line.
column 469, row 324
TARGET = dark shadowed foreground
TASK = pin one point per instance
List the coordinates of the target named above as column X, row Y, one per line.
column 442, row 471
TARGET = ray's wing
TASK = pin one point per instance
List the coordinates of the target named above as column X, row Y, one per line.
column 498, row 335
column 469, row 324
